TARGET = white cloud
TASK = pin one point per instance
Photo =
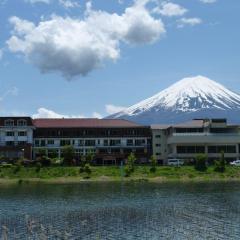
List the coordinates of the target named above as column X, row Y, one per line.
column 188, row 21
column 47, row 113
column 77, row 46
column 111, row 109
column 208, row 1
column 69, row 3
column 170, row 9
column 97, row 115
column 38, row 1
column 13, row 92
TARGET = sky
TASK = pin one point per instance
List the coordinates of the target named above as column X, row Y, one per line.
column 75, row 58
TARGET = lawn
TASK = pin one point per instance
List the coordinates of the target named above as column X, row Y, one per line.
column 115, row 173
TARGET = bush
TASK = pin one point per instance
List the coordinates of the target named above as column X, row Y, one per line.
column 220, row 165
column 153, row 161
column 130, row 165
column 200, row 164
column 45, row 161
column 38, row 167
column 68, row 153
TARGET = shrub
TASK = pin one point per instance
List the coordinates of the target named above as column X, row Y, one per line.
column 200, row 164
column 45, row 161
column 153, row 161
column 68, row 153
column 220, row 165
column 38, row 167
column 130, row 164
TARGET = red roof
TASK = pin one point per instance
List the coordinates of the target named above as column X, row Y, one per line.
column 82, row 123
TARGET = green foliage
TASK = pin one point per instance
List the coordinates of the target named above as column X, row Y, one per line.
column 17, row 167
column 38, row 167
column 153, row 162
column 86, row 165
column 129, row 168
column 45, row 161
column 220, row 165
column 200, row 164
column 68, row 155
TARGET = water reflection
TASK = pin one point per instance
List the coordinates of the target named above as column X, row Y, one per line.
column 116, row 211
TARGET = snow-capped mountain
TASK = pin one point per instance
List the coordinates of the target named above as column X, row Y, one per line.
column 194, row 97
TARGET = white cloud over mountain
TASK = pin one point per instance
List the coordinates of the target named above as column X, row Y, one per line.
column 75, row 47
column 112, row 109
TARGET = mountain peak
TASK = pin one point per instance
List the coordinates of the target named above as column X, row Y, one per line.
column 191, row 94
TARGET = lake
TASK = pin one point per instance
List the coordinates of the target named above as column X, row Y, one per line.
column 121, row 211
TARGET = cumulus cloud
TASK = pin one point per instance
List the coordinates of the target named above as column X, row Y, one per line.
column 188, row 21
column 69, row 3
column 170, row 9
column 47, row 113
column 77, row 46
column 208, row 1
column 111, row 109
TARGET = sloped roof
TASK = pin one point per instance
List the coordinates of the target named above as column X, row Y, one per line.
column 82, row 123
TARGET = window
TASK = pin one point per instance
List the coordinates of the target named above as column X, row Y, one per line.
column 90, row 143
column 43, row 143
column 36, row 142
column 105, row 142
column 50, row 142
column 22, row 122
column 22, row 133
column 65, row 142
column 90, row 151
column 190, row 149
column 9, row 122
column 22, row 143
column 9, row 143
column 223, row 148
column 115, row 142
column 80, row 142
column 139, row 142
column 10, row 134
column 158, row 145
column 158, row 136
column 158, row 154
column 129, row 142
column 79, row 152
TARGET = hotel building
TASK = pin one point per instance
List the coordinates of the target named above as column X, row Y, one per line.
column 112, row 140
column 185, row 141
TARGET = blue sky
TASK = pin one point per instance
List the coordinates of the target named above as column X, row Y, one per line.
column 81, row 58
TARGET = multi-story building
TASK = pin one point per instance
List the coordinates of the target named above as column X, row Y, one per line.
column 159, row 142
column 111, row 141
column 208, row 136
column 16, row 137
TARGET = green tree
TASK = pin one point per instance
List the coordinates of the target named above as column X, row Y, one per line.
column 201, row 160
column 68, row 154
column 129, row 168
column 220, row 165
column 153, row 162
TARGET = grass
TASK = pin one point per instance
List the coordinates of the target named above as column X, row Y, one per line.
column 58, row 174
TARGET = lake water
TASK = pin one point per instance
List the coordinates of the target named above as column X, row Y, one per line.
column 120, row 211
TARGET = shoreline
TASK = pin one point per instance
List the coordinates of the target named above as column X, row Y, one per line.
column 68, row 175
column 105, row 179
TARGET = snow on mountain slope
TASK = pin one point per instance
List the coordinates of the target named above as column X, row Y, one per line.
column 198, row 95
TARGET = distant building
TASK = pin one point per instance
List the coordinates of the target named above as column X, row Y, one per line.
column 208, row 136
column 16, row 137
column 112, row 140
